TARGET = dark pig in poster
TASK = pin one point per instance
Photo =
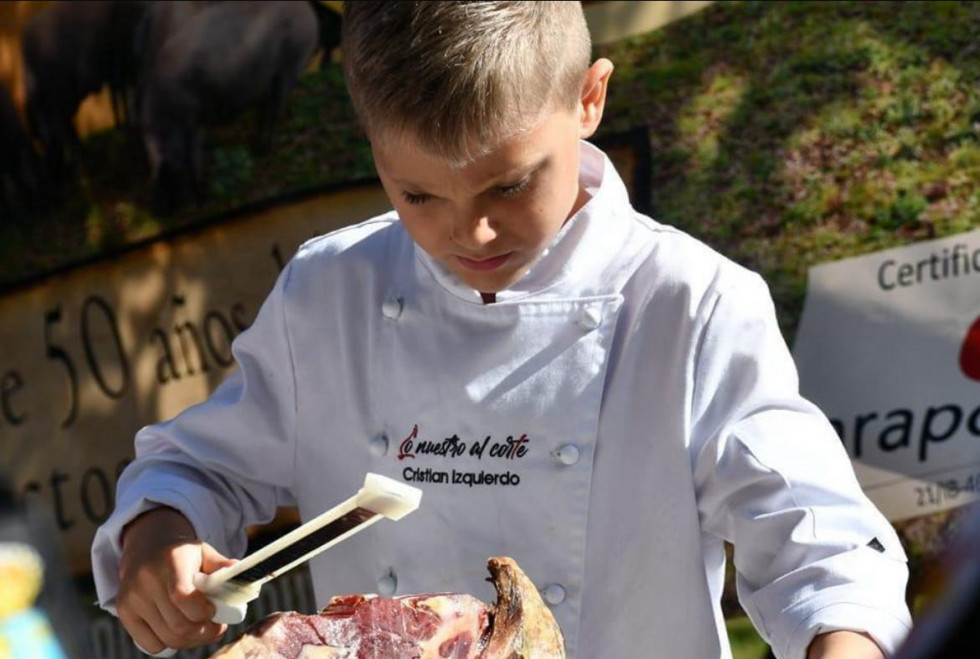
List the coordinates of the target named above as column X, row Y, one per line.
column 203, row 64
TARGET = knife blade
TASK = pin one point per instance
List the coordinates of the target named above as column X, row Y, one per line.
column 232, row 587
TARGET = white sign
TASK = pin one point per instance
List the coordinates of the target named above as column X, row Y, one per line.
column 889, row 348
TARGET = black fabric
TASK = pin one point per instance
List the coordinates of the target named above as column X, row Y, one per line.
column 949, row 628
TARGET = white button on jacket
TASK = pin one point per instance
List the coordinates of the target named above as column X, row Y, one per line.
column 679, row 397
column 379, row 445
column 392, row 308
column 387, row 585
column 553, row 594
column 568, row 454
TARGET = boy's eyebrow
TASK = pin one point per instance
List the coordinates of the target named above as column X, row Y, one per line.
column 516, row 173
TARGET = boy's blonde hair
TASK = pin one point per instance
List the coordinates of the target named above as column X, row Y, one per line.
column 459, row 77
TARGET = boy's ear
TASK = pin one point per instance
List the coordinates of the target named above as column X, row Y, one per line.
column 593, row 99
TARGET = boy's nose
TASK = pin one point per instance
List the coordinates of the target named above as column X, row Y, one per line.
column 474, row 232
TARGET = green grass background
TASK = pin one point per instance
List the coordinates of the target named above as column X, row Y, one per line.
column 787, row 134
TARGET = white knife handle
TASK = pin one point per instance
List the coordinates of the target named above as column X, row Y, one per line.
column 230, row 601
column 388, row 497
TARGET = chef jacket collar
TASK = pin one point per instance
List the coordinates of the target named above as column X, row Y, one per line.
column 573, row 263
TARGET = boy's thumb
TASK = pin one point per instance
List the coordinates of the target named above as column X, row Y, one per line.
column 212, row 559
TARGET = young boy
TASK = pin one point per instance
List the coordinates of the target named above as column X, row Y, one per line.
column 572, row 384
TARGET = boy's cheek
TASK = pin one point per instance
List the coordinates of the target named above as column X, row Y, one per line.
column 423, row 230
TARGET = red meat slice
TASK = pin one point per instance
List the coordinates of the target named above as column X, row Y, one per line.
column 440, row 626
column 367, row 627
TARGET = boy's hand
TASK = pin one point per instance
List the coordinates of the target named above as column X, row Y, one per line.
column 844, row 645
column 157, row 602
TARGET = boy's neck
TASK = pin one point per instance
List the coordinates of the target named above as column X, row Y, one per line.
column 488, row 298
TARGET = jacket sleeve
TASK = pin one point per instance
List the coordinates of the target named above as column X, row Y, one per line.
column 226, row 463
column 811, row 552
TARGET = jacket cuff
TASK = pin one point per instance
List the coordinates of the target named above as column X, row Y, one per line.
column 887, row 627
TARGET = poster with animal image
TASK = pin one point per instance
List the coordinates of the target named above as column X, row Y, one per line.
column 123, row 120
column 889, row 347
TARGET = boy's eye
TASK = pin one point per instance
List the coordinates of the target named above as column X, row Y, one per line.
column 415, row 198
column 516, row 188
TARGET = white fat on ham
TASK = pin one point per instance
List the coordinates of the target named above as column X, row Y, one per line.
column 459, row 616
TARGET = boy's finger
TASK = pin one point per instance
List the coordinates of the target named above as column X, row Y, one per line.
column 194, row 606
column 212, row 560
column 144, row 637
column 179, row 631
column 186, row 602
column 166, row 626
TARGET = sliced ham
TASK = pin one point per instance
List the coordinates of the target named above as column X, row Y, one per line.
column 436, row 626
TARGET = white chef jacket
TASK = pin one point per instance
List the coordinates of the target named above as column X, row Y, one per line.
column 636, row 407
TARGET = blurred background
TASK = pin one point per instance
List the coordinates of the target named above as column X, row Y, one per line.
column 144, row 218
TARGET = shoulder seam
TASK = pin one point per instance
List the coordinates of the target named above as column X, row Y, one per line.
column 387, row 218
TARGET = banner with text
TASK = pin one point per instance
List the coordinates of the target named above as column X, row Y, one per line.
column 89, row 356
column 889, row 348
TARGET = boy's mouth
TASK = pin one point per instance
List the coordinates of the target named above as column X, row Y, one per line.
column 483, row 265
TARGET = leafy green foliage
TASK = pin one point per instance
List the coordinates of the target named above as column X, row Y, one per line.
column 746, row 643
column 792, row 133
column 231, row 167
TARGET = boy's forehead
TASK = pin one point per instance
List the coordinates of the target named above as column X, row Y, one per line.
column 408, row 158
column 407, row 161
column 407, row 144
